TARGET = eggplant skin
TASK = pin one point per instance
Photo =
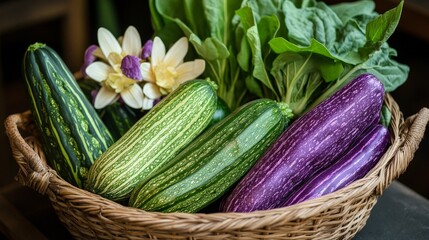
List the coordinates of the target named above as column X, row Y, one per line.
column 361, row 157
column 312, row 142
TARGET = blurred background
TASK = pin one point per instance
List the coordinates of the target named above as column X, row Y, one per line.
column 69, row 26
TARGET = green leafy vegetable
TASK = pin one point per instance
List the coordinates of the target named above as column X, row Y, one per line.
column 295, row 51
column 326, row 46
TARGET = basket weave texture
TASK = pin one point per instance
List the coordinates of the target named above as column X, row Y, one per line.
column 339, row 215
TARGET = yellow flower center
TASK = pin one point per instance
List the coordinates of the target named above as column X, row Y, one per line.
column 165, row 76
column 119, row 82
column 116, row 80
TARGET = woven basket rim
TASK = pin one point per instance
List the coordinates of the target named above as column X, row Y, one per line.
column 405, row 138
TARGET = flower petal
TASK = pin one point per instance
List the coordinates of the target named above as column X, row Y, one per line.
column 176, row 53
column 89, row 55
column 104, row 97
column 88, row 58
column 132, row 43
column 151, row 91
column 158, row 51
column 99, row 54
column 147, row 73
column 98, row 71
column 147, row 103
column 108, row 42
column 133, row 96
column 114, row 59
column 190, row 70
column 147, row 49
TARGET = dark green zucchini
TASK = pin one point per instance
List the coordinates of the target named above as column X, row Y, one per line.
column 72, row 133
column 119, row 118
column 212, row 163
column 222, row 110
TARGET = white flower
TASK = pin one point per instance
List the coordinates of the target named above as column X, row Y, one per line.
column 167, row 71
column 122, row 74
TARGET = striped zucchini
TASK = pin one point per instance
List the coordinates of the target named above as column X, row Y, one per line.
column 72, row 134
column 153, row 140
column 212, row 163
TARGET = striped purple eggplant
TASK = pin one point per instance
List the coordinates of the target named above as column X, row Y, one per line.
column 361, row 157
column 310, row 143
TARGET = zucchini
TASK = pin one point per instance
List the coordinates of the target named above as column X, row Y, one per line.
column 312, row 142
column 119, row 118
column 153, row 140
column 72, row 133
column 222, row 110
column 212, row 163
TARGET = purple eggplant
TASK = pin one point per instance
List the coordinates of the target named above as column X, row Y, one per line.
column 361, row 157
column 313, row 142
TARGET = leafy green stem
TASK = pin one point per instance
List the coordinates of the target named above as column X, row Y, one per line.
column 299, row 74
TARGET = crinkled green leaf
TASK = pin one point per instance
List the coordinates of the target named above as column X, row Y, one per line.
column 391, row 73
column 349, row 10
column 307, row 23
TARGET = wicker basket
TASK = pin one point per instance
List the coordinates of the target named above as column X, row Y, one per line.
column 339, row 215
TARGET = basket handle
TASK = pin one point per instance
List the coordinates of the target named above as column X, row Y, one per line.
column 412, row 129
column 33, row 170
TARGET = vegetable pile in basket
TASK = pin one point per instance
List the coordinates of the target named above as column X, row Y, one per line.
column 284, row 103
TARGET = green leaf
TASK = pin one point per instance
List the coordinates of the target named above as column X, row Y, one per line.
column 210, row 49
column 347, row 11
column 386, row 116
column 254, row 86
column 391, row 73
column 313, row 22
column 244, row 56
column 263, row 8
column 259, row 70
column 381, row 28
column 156, row 18
column 218, row 15
column 330, row 69
column 107, row 16
column 281, row 45
column 269, row 26
column 247, row 19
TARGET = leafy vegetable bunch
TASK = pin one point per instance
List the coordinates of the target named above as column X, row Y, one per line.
column 295, row 51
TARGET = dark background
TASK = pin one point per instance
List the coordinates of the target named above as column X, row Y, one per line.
column 411, row 40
